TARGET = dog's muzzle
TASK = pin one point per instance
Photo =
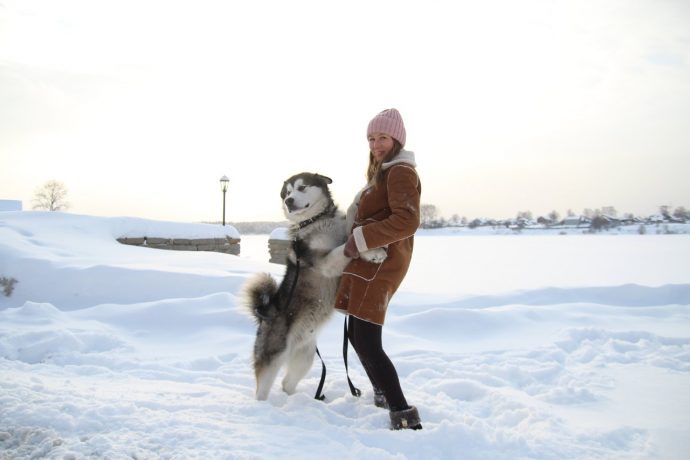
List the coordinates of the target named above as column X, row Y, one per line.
column 290, row 205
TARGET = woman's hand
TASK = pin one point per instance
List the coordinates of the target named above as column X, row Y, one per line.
column 351, row 248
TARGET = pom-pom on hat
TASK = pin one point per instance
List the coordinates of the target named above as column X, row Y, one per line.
column 388, row 122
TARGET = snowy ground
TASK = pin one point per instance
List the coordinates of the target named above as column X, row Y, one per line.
column 512, row 347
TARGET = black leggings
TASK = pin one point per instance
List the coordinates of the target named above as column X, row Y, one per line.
column 365, row 338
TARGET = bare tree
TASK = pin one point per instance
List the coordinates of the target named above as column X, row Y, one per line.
column 600, row 223
column 428, row 215
column 609, row 211
column 51, row 197
column 524, row 215
column 554, row 216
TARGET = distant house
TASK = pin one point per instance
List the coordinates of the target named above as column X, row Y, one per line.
column 629, row 219
column 603, row 221
column 611, row 219
column 520, row 223
column 664, row 219
column 10, row 205
column 576, row 221
column 541, row 220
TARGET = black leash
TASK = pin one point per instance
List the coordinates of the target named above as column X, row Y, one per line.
column 354, row 390
column 319, row 395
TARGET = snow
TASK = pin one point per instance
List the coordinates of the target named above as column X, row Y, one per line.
column 511, row 346
column 280, row 233
column 10, row 205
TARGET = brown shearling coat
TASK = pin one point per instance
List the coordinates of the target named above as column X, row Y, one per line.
column 387, row 215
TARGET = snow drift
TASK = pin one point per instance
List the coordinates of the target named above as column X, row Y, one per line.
column 545, row 347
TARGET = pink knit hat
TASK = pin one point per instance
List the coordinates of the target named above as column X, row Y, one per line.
column 388, row 122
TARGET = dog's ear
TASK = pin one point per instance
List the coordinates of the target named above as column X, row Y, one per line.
column 326, row 179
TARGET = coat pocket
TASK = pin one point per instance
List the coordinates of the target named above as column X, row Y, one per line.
column 362, row 269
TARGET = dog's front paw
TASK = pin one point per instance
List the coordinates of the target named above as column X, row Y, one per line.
column 376, row 255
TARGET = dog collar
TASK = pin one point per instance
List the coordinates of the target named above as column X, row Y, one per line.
column 311, row 220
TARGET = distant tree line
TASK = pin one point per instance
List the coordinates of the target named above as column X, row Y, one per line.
column 52, row 196
column 597, row 219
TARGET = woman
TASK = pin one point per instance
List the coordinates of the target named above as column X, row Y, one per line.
column 385, row 214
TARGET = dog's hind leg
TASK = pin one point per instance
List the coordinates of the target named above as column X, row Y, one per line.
column 299, row 363
column 266, row 375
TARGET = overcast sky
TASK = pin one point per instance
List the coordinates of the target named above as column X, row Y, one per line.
column 139, row 107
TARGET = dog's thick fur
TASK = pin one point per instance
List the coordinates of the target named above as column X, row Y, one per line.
column 289, row 315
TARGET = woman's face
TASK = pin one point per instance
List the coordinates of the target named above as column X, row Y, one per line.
column 380, row 145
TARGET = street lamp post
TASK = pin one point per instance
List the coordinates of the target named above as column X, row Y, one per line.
column 224, row 187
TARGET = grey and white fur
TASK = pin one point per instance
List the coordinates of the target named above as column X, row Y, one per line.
column 289, row 315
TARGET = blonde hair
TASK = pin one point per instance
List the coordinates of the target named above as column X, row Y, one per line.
column 374, row 170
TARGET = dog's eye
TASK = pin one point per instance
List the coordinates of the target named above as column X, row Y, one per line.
column 301, row 188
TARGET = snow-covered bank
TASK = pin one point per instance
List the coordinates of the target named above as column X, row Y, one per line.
column 553, row 347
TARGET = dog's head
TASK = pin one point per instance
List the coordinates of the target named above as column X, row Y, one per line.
column 305, row 195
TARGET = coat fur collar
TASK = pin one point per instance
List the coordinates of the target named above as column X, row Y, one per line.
column 404, row 156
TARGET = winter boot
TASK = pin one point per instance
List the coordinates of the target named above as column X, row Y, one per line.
column 405, row 419
column 380, row 399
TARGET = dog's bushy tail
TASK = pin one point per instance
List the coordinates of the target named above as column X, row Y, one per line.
column 257, row 294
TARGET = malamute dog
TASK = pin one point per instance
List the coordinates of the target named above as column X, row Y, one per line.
column 290, row 314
